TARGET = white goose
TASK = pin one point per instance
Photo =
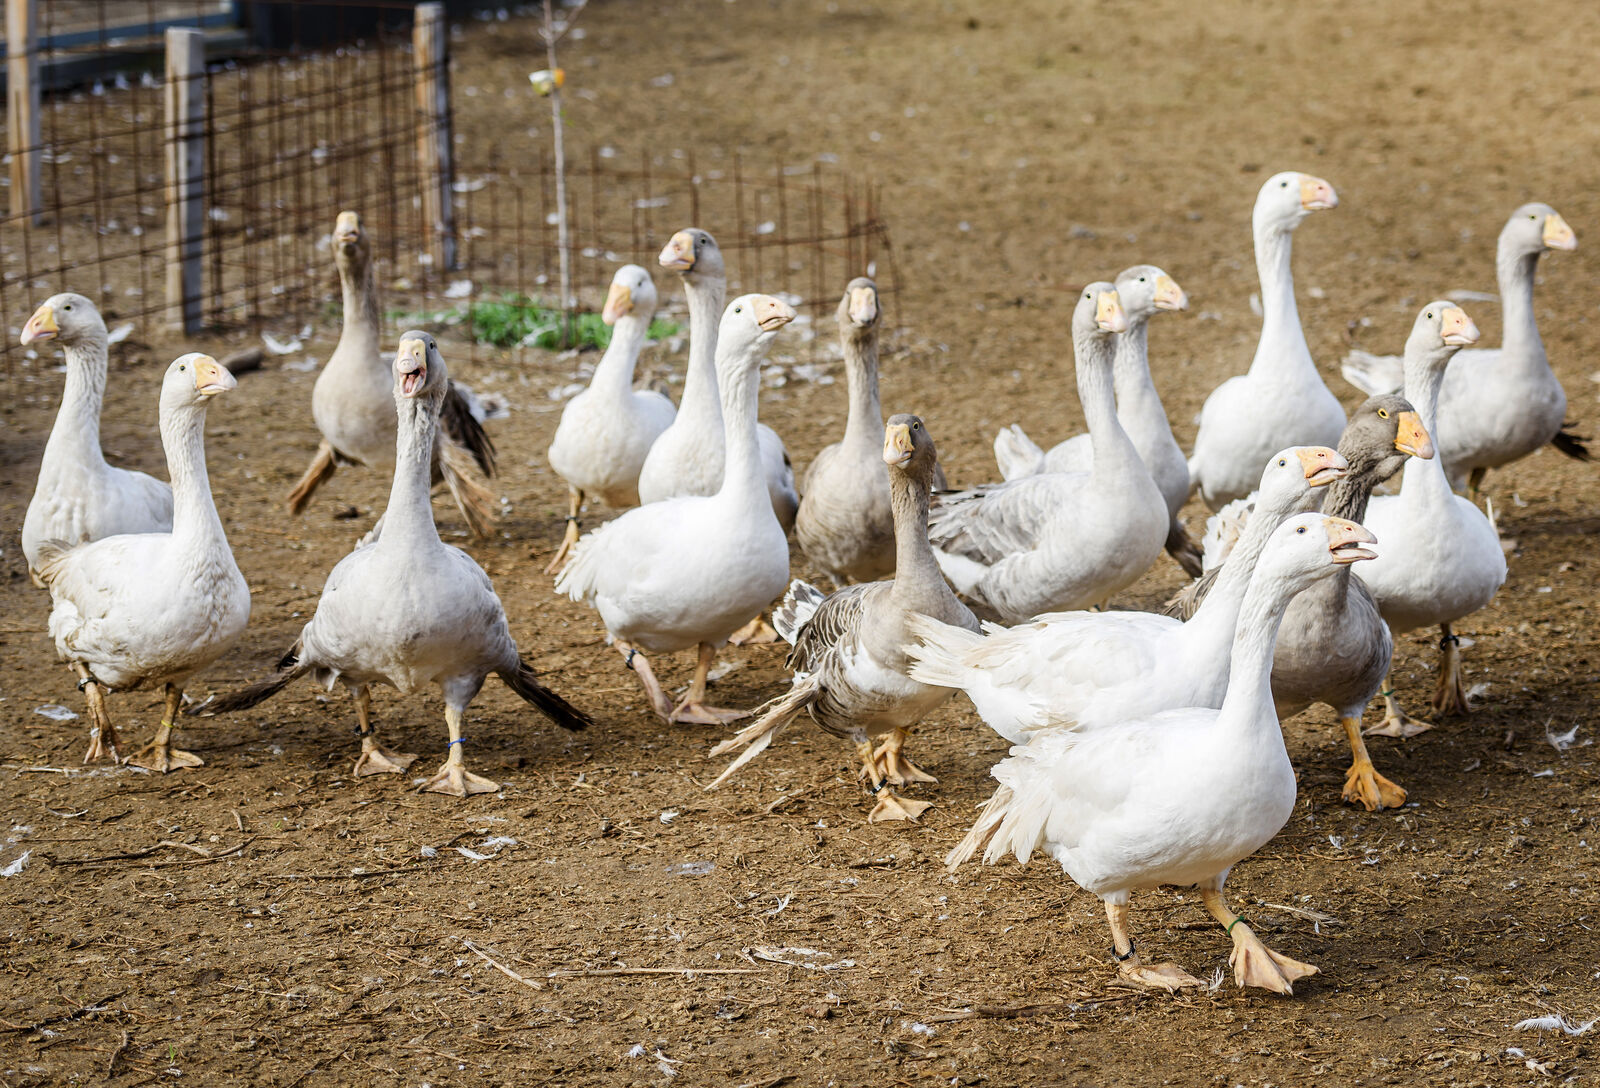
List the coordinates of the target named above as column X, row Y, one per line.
column 1178, row 797
column 79, row 497
column 692, row 570
column 1096, row 667
column 409, row 610
column 1060, row 540
column 1444, row 561
column 354, row 408
column 687, row 459
column 1282, row 397
column 607, row 430
column 1145, row 291
column 850, row 647
column 153, row 608
column 1496, row 405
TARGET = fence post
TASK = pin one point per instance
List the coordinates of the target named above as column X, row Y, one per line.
column 430, row 38
column 184, row 96
column 22, row 106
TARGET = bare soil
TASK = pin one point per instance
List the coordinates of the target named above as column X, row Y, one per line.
column 267, row 919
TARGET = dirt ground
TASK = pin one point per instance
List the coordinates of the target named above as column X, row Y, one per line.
column 266, row 919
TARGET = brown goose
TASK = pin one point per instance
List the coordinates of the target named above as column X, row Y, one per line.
column 849, row 659
column 353, row 404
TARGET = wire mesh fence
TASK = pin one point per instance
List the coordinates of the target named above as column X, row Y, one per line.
column 289, row 139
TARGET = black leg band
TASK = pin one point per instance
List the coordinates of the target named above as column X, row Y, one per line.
column 1124, row 957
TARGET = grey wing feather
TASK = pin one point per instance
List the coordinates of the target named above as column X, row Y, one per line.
column 834, row 620
column 1187, row 601
column 992, row 521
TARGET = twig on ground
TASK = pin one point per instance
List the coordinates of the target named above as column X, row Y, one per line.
column 502, row 968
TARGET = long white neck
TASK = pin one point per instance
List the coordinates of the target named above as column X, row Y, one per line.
column 1282, row 349
column 1519, row 334
column 359, row 339
column 614, row 376
column 1424, row 375
column 863, row 426
column 409, row 518
column 701, row 406
column 1250, row 664
column 1217, row 618
column 194, row 515
column 1138, row 404
column 1112, row 448
column 742, row 473
column 76, row 435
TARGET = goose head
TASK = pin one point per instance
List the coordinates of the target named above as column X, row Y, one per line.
column 632, row 292
column 419, row 369
column 1289, row 197
column 908, row 447
column 1144, row 290
column 351, row 246
column 1307, row 548
column 1099, row 313
column 748, row 326
column 858, row 309
column 1383, row 431
column 68, row 318
column 693, row 252
column 1534, row 228
column 1441, row 329
column 1292, row 475
column 193, row 379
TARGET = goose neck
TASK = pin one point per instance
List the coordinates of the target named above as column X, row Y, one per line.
column 1424, row 375
column 863, row 428
column 1250, row 662
column 409, row 516
column 1136, row 392
column 1111, row 445
column 194, row 513
column 918, row 583
column 614, row 373
column 358, row 285
column 700, row 402
column 740, row 383
column 1514, row 269
column 1280, row 318
column 77, row 429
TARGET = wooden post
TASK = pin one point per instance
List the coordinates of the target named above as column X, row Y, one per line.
column 430, row 38
column 185, row 190
column 22, row 106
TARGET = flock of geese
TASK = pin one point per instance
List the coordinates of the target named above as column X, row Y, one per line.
column 1147, row 747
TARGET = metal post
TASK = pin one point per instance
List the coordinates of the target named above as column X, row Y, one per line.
column 435, row 160
column 185, row 191
column 22, row 106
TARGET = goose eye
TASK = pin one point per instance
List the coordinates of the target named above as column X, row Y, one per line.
column 1301, row 530
column 1428, row 315
column 916, row 426
column 738, row 309
column 1281, row 462
column 1283, row 184
column 181, row 369
column 1141, row 279
column 1383, row 413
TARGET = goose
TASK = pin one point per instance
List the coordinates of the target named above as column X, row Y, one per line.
column 606, row 431
column 1145, row 290
column 1060, row 540
column 1091, row 667
column 1282, row 397
column 151, row 609
column 1333, row 646
column 688, row 457
column 849, row 658
column 354, row 410
column 1178, row 797
column 694, row 569
column 1497, row 405
column 79, row 497
column 845, row 524
column 409, row 610
column 1446, row 561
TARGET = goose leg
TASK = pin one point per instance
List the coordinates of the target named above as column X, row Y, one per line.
column 557, row 561
column 321, row 468
column 1450, row 695
column 159, row 755
column 454, row 778
column 635, row 660
column 1254, row 964
column 897, row 769
column 1475, row 483
column 374, row 757
column 694, row 708
column 102, row 734
column 1183, row 550
column 890, row 806
column 1396, row 722
column 1362, row 783
column 754, row 633
column 1155, row 976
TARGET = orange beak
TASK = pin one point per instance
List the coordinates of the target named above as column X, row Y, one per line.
column 1345, row 538
column 897, row 445
column 863, row 306
column 1316, row 195
column 1108, row 313
column 1557, row 235
column 347, row 228
column 772, row 313
column 1169, row 296
column 411, row 363
column 619, row 303
column 678, row 255
column 1322, row 465
column 41, row 326
column 1412, row 437
column 211, row 377
column 1457, row 328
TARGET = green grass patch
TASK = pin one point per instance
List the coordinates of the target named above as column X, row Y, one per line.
column 516, row 320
